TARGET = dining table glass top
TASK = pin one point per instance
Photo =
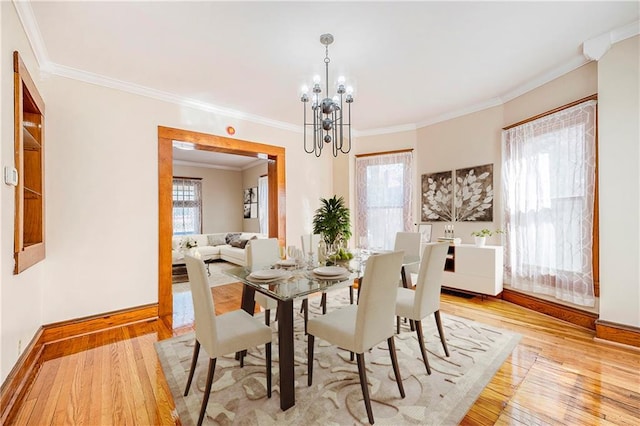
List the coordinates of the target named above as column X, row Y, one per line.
column 285, row 281
column 292, row 282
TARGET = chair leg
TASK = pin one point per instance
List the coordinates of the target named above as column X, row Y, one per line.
column 267, row 317
column 194, row 361
column 422, row 348
column 365, row 386
column 207, row 390
column 351, row 294
column 310, row 340
column 323, row 302
column 441, row 332
column 397, row 325
column 394, row 361
column 268, row 350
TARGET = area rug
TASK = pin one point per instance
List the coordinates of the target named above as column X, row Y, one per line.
column 443, row 398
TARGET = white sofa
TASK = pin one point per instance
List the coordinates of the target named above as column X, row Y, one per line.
column 227, row 246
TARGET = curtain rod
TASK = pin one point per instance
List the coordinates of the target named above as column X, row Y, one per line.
column 593, row 97
column 400, row 151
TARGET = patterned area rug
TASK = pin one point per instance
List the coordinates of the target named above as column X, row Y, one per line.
column 443, row 398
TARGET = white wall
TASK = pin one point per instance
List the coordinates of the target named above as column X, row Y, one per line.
column 221, row 197
column 101, row 196
column 619, row 173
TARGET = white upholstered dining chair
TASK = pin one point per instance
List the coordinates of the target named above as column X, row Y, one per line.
column 409, row 242
column 262, row 253
column 425, row 299
column 357, row 328
column 220, row 334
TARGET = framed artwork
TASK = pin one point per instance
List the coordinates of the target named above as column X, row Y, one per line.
column 250, row 200
column 437, row 197
column 425, row 231
column 474, row 194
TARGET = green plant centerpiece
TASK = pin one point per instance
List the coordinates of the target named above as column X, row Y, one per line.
column 333, row 222
column 486, row 232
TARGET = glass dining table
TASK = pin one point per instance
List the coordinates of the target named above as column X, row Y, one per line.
column 293, row 284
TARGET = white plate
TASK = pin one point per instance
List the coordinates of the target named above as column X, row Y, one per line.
column 287, row 262
column 330, row 271
column 267, row 274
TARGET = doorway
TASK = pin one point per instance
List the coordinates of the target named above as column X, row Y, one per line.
column 203, row 141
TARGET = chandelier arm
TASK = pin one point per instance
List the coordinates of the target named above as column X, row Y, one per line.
column 304, row 130
column 348, row 130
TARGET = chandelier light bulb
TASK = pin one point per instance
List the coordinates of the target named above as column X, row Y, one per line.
column 316, row 79
column 304, row 90
column 349, row 90
column 341, row 79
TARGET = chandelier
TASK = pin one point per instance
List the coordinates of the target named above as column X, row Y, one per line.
column 328, row 125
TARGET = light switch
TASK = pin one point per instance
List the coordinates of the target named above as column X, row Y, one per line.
column 10, row 175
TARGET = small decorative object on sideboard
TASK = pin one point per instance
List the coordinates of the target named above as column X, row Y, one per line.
column 481, row 235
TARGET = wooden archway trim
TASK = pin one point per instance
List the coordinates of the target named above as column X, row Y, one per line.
column 203, row 141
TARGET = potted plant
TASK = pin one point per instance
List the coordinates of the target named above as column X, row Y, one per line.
column 332, row 221
column 481, row 235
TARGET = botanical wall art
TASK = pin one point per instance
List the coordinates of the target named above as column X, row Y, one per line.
column 465, row 195
column 437, row 197
column 474, row 194
column 250, row 197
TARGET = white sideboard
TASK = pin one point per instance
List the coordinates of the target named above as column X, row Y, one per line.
column 474, row 269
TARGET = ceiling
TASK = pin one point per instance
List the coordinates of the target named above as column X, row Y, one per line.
column 410, row 63
column 217, row 160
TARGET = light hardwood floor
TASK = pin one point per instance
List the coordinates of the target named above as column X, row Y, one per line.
column 556, row 375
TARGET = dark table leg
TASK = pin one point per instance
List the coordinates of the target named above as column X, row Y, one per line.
column 285, row 347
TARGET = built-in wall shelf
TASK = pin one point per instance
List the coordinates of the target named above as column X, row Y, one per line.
column 474, row 269
column 29, row 246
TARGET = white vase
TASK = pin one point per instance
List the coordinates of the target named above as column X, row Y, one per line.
column 480, row 241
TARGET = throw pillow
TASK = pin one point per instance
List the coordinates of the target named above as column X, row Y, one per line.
column 216, row 240
column 232, row 236
column 238, row 243
column 241, row 243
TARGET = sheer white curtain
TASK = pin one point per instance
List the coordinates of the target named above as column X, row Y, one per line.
column 187, row 206
column 383, row 198
column 263, row 204
column 549, row 184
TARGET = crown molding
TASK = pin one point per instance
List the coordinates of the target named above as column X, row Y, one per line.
column 112, row 83
column 460, row 112
column 596, row 47
column 30, row 25
column 205, row 165
column 254, row 163
column 545, row 78
column 384, row 130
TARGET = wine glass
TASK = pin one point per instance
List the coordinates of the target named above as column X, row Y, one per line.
column 291, row 252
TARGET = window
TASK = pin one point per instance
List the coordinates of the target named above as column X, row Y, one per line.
column 383, row 198
column 187, row 206
column 263, row 204
column 549, row 187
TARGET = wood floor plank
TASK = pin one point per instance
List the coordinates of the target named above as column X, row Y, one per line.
column 557, row 374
